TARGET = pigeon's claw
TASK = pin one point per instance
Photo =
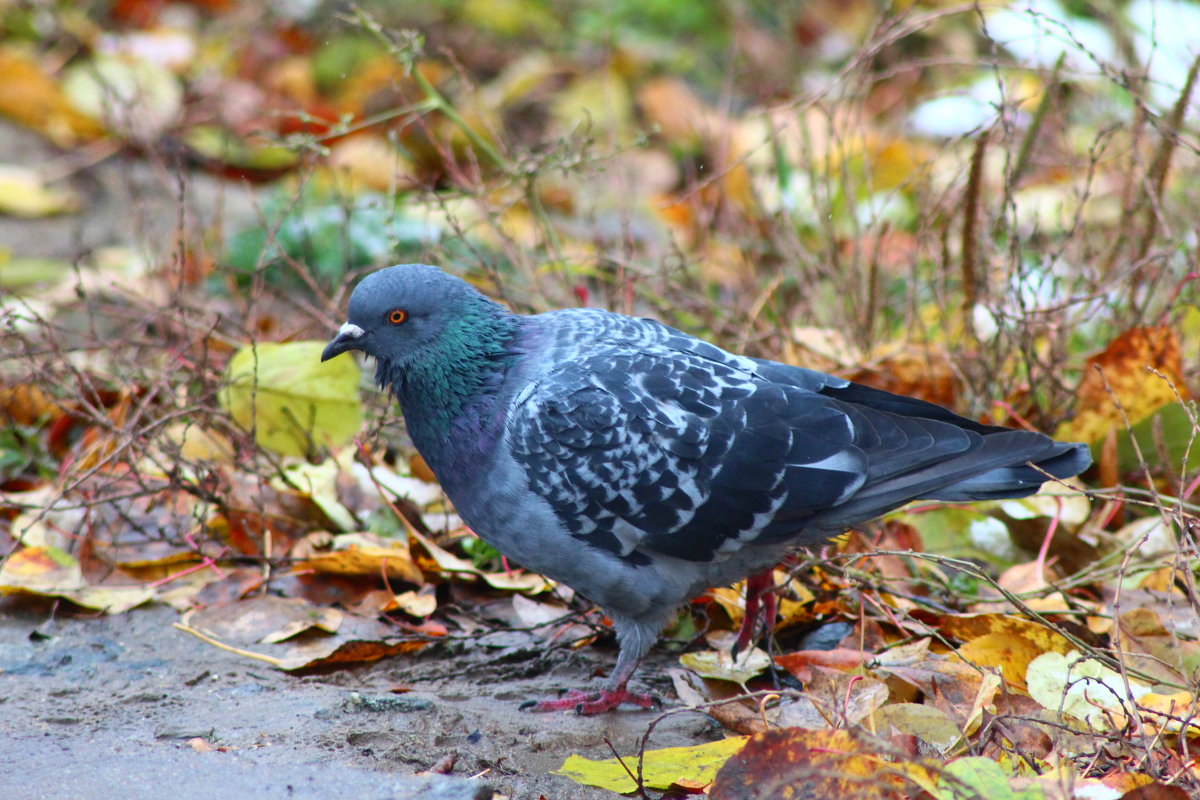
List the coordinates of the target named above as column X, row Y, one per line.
column 586, row 704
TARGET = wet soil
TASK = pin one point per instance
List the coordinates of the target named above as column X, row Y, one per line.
column 129, row 706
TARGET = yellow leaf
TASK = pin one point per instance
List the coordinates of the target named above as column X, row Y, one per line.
column 660, row 768
column 1010, row 654
column 368, row 162
column 414, row 604
column 199, row 444
column 596, row 101
column 972, row 626
column 250, row 152
column 527, row 582
column 291, row 399
column 23, row 193
column 364, row 554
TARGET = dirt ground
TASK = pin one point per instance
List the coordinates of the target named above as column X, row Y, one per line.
column 105, row 707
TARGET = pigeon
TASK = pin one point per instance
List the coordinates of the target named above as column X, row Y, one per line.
column 640, row 465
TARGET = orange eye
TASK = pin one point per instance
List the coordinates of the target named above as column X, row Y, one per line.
column 397, row 315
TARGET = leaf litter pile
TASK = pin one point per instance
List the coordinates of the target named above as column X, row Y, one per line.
column 992, row 209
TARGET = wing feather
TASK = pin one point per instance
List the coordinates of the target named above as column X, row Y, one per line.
column 678, row 453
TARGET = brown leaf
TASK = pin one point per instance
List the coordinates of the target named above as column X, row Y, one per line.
column 1150, row 647
column 245, row 627
column 918, row 371
column 802, row 763
column 1156, row 791
column 236, row 584
column 682, row 118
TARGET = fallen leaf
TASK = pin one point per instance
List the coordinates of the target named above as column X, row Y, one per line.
column 50, row 572
column 371, row 162
column 803, row 763
column 241, row 627
column 926, row 722
column 974, row 776
column 1122, row 370
column 365, row 555
column 290, row 398
column 1005, row 642
column 720, row 664
column 415, row 604
column 319, row 482
column 254, row 155
column 831, row 699
column 327, row 620
column 925, row 372
column 24, row 193
column 801, row 662
column 659, row 768
column 34, row 98
column 25, row 404
column 1082, row 688
column 447, row 562
column 135, row 99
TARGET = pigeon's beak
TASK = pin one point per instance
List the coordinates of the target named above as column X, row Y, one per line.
column 348, row 338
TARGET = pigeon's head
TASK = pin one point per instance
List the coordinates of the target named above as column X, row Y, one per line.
column 399, row 312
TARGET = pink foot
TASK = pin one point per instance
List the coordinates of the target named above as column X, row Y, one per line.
column 595, row 703
column 759, row 601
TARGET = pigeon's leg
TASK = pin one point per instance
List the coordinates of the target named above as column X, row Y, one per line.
column 614, row 693
column 760, row 601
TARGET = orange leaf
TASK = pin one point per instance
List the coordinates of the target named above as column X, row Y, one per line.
column 793, row 762
column 31, row 97
column 1119, row 375
column 800, row 664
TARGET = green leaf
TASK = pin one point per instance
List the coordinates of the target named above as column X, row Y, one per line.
column 975, row 778
column 697, row 765
column 22, row 274
column 1170, row 425
column 962, row 532
column 1081, row 688
column 329, row 237
column 719, row 664
column 227, row 148
column 291, row 399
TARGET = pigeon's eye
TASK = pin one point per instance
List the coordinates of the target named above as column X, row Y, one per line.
column 397, row 316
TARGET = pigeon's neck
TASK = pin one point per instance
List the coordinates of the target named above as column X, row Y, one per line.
column 449, row 394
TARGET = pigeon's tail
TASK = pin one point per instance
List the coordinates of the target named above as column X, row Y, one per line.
column 1027, row 467
column 919, row 451
column 1003, row 465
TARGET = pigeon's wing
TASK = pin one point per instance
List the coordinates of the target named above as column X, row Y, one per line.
column 683, row 451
